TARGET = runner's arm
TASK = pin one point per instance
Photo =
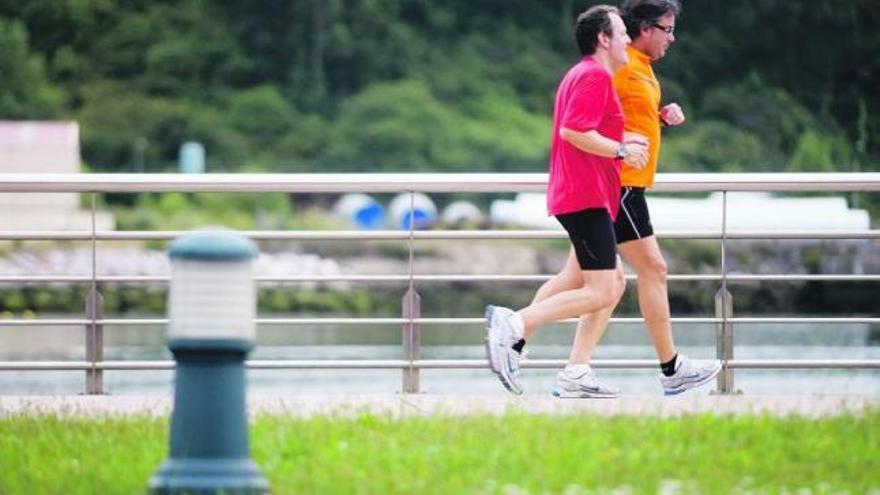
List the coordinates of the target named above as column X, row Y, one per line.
column 596, row 144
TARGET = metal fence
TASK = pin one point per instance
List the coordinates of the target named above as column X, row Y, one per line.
column 410, row 319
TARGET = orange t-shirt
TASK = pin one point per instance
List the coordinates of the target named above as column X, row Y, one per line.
column 639, row 93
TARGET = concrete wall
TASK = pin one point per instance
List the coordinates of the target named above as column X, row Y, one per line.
column 49, row 148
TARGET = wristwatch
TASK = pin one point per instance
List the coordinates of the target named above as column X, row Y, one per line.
column 621, row 152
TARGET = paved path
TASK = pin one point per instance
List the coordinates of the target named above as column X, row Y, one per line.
column 407, row 405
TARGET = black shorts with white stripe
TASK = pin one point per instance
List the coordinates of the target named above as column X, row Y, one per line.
column 592, row 236
column 633, row 220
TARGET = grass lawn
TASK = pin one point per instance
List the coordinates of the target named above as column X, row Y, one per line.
column 511, row 454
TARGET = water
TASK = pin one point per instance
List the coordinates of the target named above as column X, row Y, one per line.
column 622, row 341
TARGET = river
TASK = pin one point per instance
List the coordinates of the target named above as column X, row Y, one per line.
column 622, row 341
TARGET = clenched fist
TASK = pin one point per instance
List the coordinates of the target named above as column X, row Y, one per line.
column 672, row 114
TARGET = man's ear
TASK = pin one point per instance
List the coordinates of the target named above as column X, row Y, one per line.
column 604, row 40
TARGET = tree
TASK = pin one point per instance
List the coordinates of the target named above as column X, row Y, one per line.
column 488, row 69
column 260, row 113
column 25, row 91
column 713, row 146
column 393, row 126
column 114, row 119
column 402, row 126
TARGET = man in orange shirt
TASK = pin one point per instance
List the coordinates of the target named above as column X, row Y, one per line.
column 651, row 26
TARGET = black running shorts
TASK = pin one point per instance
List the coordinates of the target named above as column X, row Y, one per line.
column 633, row 221
column 592, row 235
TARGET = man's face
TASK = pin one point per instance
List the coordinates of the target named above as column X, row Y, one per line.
column 659, row 37
column 617, row 42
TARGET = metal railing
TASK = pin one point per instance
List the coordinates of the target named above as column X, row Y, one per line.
column 411, row 320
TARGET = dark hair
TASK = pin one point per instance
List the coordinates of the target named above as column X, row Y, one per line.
column 637, row 14
column 589, row 24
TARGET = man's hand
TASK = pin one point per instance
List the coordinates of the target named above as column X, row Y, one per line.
column 636, row 153
column 672, row 114
column 634, row 138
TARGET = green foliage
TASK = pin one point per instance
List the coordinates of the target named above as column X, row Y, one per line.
column 369, row 85
column 113, row 119
column 25, row 91
column 348, row 303
column 396, row 124
column 180, row 211
column 151, row 299
column 816, row 153
column 507, row 137
column 261, row 113
column 299, row 148
column 713, row 146
column 121, row 49
column 437, row 454
column 190, row 57
column 402, row 126
column 766, row 112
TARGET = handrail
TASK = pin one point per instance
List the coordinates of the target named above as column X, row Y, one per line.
column 464, row 277
column 402, row 235
column 431, row 183
column 267, row 364
column 424, row 182
column 53, row 322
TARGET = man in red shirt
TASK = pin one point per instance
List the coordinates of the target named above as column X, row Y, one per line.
column 651, row 25
column 583, row 193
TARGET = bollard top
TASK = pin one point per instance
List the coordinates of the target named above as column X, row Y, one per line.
column 213, row 244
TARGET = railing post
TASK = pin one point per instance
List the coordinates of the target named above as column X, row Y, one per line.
column 412, row 311
column 94, row 342
column 411, row 337
column 94, row 331
column 724, row 312
column 724, row 338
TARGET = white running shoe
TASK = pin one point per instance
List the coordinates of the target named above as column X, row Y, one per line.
column 500, row 337
column 689, row 373
column 580, row 382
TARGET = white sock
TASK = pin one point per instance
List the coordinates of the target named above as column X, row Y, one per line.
column 518, row 325
column 577, row 369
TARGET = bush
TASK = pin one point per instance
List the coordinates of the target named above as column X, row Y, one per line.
column 713, row 146
column 181, row 211
column 402, row 126
column 768, row 113
column 818, row 153
column 114, row 119
column 262, row 114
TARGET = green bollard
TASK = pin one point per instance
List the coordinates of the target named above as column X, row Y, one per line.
column 211, row 307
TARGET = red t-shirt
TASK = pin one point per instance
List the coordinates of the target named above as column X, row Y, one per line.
column 585, row 100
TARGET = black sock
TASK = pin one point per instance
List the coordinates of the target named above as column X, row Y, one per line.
column 518, row 347
column 668, row 368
